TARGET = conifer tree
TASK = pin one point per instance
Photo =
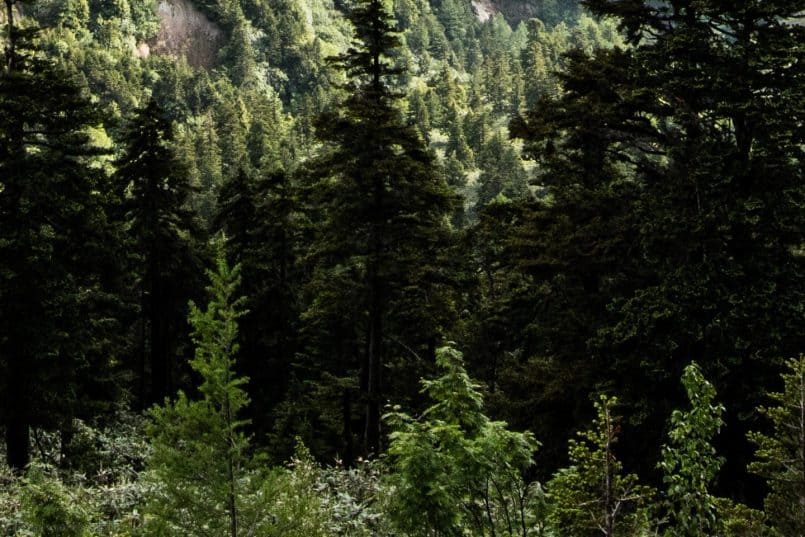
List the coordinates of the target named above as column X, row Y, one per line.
column 781, row 453
column 383, row 211
column 457, row 146
column 592, row 496
column 259, row 219
column 200, row 460
column 501, row 172
column 154, row 186
column 59, row 253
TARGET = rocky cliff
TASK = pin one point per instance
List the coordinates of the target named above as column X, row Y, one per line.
column 185, row 31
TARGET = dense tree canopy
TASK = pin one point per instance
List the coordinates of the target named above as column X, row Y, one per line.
column 588, row 199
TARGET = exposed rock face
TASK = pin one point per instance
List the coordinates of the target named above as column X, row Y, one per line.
column 483, row 9
column 513, row 11
column 185, row 31
column 516, row 10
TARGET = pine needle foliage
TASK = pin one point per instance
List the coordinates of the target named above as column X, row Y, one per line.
column 781, row 453
column 593, row 496
column 201, row 462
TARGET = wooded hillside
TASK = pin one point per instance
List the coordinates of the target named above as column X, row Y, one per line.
column 314, row 267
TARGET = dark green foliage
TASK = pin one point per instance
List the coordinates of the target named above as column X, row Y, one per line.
column 663, row 223
column 153, row 185
column 781, row 453
column 260, row 221
column 378, row 291
column 59, row 254
column 675, row 204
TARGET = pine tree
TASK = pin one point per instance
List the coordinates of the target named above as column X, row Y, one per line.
column 457, row 147
column 259, row 218
column 59, row 253
column 154, row 186
column 592, row 496
column 781, row 453
column 419, row 115
column 200, row 460
column 240, row 53
column 502, row 173
column 382, row 211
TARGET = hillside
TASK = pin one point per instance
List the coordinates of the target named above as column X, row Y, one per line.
column 402, row 268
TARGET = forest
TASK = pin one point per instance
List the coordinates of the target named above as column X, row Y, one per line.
column 402, row 268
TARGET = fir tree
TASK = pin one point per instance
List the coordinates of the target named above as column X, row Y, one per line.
column 383, row 208
column 592, row 496
column 260, row 220
column 781, row 453
column 59, row 253
column 154, row 186
column 200, row 458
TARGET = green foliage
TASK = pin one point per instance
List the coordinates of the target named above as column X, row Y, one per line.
column 502, row 173
column 49, row 508
column 592, row 496
column 379, row 291
column 153, row 185
column 739, row 520
column 454, row 470
column 59, row 307
column 663, row 232
column 200, row 465
column 665, row 223
column 689, row 462
column 356, row 499
column 781, row 452
column 292, row 497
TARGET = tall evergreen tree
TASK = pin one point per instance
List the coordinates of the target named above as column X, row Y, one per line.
column 58, row 249
column 260, row 220
column 685, row 204
column 166, row 238
column 383, row 208
column 781, row 454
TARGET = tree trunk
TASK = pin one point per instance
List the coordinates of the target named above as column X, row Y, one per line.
column 348, row 457
column 373, row 364
column 17, row 424
column 11, row 46
column 230, row 470
column 17, row 443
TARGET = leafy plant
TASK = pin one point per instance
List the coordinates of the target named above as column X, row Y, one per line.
column 689, row 461
column 454, row 470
